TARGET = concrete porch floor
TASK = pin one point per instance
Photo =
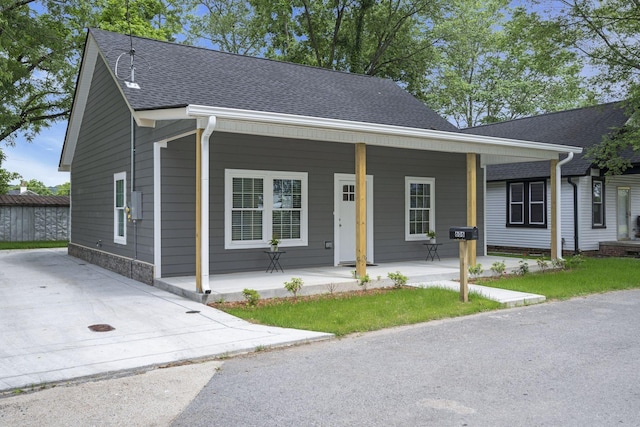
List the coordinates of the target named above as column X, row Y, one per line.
column 317, row 280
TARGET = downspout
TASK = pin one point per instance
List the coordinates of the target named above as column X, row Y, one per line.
column 204, row 202
column 558, row 217
column 576, row 246
column 133, row 186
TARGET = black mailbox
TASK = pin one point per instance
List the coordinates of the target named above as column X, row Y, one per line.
column 463, row 233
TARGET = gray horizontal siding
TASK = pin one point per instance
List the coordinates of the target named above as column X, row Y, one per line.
column 321, row 161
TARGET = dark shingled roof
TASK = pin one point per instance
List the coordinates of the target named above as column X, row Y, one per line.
column 583, row 127
column 174, row 75
column 22, row 200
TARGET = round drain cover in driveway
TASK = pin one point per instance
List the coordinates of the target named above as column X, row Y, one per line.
column 101, row 328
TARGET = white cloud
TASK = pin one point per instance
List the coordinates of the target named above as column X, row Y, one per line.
column 32, row 168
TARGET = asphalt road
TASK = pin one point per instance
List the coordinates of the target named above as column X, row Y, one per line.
column 571, row 363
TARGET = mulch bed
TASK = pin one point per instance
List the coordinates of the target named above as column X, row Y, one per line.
column 263, row 302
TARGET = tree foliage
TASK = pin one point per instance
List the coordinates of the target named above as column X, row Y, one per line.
column 64, row 189
column 499, row 63
column 609, row 36
column 6, row 177
column 41, row 42
column 386, row 38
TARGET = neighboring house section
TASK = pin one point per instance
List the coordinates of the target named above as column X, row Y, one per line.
column 595, row 208
column 192, row 168
column 28, row 218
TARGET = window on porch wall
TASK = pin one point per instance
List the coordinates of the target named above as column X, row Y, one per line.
column 265, row 204
column 419, row 207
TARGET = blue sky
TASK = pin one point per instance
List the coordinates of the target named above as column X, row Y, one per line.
column 38, row 159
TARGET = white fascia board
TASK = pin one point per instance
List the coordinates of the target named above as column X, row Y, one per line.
column 334, row 130
column 81, row 95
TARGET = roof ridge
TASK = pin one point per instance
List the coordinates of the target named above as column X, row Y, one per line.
column 237, row 55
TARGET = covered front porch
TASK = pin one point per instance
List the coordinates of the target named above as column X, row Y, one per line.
column 319, row 280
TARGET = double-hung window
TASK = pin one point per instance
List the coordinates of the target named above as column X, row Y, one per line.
column 260, row 205
column 119, row 208
column 420, row 207
column 527, row 204
column 597, row 202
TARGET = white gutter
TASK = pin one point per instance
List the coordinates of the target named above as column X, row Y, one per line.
column 558, row 217
column 204, row 201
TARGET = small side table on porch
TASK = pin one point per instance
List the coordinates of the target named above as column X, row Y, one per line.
column 274, row 260
column 432, row 251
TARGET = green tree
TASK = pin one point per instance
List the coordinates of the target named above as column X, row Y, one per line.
column 64, row 189
column 610, row 33
column 41, row 42
column 385, row 38
column 6, row 177
column 229, row 25
column 499, row 63
column 36, row 186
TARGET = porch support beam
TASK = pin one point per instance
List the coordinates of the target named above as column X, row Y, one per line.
column 554, row 210
column 472, row 198
column 361, row 209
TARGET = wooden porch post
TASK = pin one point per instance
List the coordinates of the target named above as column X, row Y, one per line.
column 361, row 209
column 471, row 203
column 554, row 225
column 198, row 210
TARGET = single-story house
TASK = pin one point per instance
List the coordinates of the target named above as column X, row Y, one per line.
column 27, row 217
column 595, row 208
column 192, row 164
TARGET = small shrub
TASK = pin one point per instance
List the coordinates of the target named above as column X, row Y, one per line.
column 364, row 281
column 574, row 261
column 399, row 279
column 294, row 285
column 543, row 264
column 499, row 267
column 252, row 296
column 523, row 268
column 559, row 263
column 475, row 270
column 331, row 287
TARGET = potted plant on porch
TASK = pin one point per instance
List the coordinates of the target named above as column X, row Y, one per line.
column 274, row 242
column 431, row 235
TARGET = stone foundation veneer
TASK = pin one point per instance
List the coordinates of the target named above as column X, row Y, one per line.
column 131, row 268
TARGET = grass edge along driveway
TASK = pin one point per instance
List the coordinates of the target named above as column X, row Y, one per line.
column 370, row 311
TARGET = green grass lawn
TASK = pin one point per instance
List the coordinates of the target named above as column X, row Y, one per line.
column 372, row 311
column 34, row 244
column 595, row 275
column 369, row 311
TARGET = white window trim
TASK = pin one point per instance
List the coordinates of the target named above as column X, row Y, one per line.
column 542, row 202
column 267, row 224
column 408, row 180
column 122, row 240
column 511, row 203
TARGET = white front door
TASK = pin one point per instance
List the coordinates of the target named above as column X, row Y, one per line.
column 623, row 213
column 345, row 219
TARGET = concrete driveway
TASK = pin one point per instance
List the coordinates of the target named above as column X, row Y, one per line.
column 48, row 300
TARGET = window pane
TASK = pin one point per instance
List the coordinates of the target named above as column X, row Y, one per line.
column 536, row 192
column 516, row 216
column 120, row 193
column 517, row 192
column 536, row 213
column 597, row 192
column 121, row 222
column 246, row 225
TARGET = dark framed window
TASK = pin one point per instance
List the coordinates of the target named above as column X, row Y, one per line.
column 597, row 202
column 527, row 204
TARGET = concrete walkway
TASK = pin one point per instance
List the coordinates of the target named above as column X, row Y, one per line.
column 48, row 300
